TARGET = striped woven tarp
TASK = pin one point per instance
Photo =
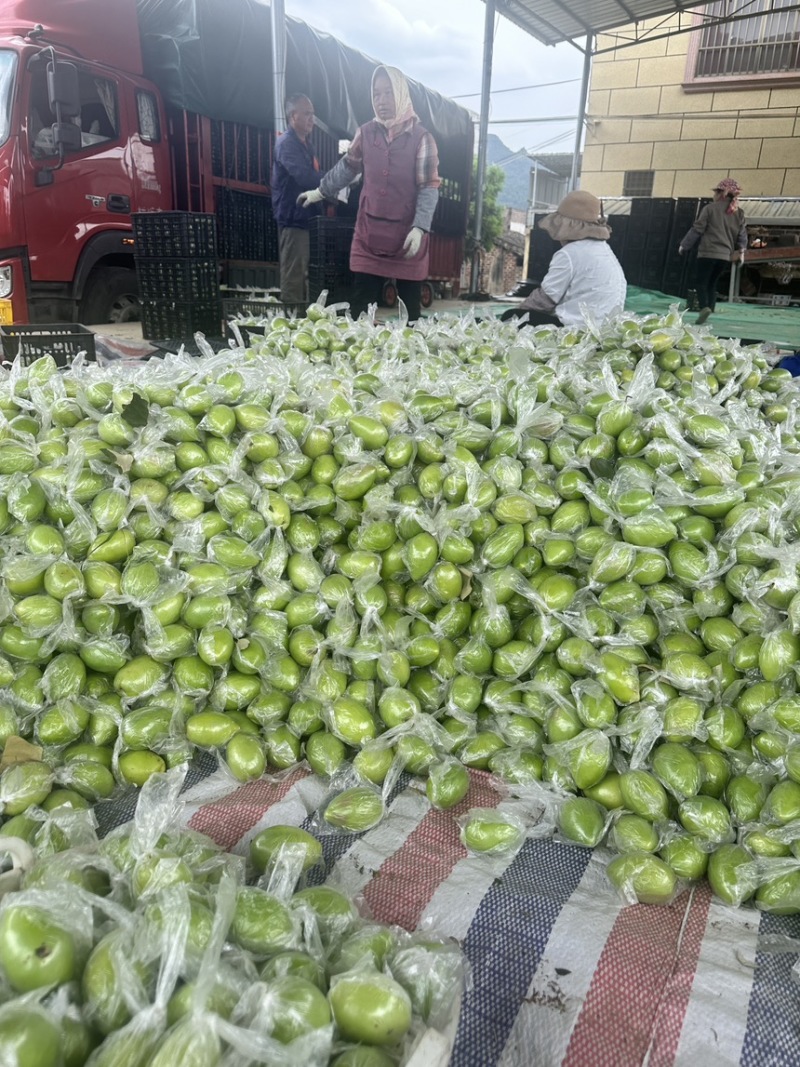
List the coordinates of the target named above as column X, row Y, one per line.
column 562, row 973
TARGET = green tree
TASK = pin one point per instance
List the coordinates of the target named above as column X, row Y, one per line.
column 493, row 213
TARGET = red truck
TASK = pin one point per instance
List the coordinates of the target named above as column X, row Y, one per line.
column 109, row 108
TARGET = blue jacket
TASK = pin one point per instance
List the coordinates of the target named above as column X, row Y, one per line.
column 294, row 170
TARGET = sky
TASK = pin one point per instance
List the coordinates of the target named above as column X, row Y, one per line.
column 440, row 43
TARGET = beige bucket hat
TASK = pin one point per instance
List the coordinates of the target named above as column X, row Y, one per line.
column 578, row 216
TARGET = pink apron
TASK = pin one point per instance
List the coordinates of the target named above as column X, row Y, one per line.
column 387, row 206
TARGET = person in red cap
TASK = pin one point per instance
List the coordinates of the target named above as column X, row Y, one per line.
column 721, row 230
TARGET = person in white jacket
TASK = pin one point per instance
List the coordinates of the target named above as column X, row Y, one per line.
column 584, row 278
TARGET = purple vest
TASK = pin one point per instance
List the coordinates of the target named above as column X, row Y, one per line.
column 387, row 206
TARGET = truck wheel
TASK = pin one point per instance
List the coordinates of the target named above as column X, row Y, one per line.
column 112, row 295
column 426, row 294
column 390, row 295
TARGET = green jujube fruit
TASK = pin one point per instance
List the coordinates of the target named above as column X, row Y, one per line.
column 644, row 877
column 582, row 821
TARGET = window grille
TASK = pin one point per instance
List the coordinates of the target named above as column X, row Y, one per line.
column 765, row 44
column 638, row 183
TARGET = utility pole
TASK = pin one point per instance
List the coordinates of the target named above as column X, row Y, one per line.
column 483, row 134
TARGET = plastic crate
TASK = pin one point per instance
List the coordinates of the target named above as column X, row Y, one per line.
column 338, row 284
column 251, row 276
column 330, row 241
column 238, row 309
column 162, row 319
column 449, row 219
column 177, row 279
column 62, row 341
column 246, row 227
column 175, row 234
column 250, row 307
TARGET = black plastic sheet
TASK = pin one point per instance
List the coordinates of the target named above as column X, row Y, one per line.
column 214, row 57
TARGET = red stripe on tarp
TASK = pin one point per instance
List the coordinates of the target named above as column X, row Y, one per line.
column 669, row 1024
column 228, row 819
column 641, row 986
column 402, row 887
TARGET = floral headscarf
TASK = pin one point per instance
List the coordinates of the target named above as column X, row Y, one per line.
column 732, row 190
column 403, row 108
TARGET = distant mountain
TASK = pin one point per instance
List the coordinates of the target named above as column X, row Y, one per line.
column 517, row 169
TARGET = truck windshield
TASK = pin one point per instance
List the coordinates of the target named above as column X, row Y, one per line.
column 8, row 66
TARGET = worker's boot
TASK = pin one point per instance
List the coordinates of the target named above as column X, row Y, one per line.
column 705, row 314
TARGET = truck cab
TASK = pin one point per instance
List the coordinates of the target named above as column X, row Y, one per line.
column 72, row 172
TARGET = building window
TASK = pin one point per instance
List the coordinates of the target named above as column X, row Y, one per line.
column 638, row 183
column 768, row 43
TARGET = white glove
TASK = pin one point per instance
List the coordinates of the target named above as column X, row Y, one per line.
column 680, row 250
column 311, row 196
column 412, row 242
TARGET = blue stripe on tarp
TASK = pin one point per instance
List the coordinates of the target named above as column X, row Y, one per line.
column 772, row 1038
column 122, row 807
column 334, row 846
column 505, row 943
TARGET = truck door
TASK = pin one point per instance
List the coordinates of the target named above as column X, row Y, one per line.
column 91, row 193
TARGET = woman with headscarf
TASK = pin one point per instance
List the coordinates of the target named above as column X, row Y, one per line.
column 399, row 162
column 721, row 230
column 584, row 278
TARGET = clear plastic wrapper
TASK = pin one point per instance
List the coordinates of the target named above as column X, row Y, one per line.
column 492, row 831
column 139, row 1037
column 351, row 806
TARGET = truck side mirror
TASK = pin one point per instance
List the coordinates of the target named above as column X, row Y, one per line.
column 63, row 94
column 62, row 89
column 66, row 136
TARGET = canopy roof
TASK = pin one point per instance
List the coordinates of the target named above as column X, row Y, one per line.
column 555, row 21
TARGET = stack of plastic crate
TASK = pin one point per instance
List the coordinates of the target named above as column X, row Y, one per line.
column 177, row 267
column 329, row 261
column 246, row 227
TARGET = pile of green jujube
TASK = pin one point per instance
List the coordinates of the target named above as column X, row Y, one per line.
column 568, row 558
column 148, row 949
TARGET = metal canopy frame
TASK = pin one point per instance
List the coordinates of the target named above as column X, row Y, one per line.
column 529, row 16
column 570, row 21
column 556, row 21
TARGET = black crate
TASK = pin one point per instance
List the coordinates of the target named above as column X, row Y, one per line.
column 330, row 241
column 62, row 341
column 338, row 282
column 251, row 276
column 177, row 279
column 649, row 207
column 246, row 227
column 541, row 251
column 652, row 270
column 238, row 309
column 449, row 218
column 252, row 307
column 162, row 319
column 677, row 267
column 175, row 234
column 249, row 334
column 618, row 225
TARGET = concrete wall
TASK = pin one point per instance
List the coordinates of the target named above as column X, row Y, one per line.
column 641, row 117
